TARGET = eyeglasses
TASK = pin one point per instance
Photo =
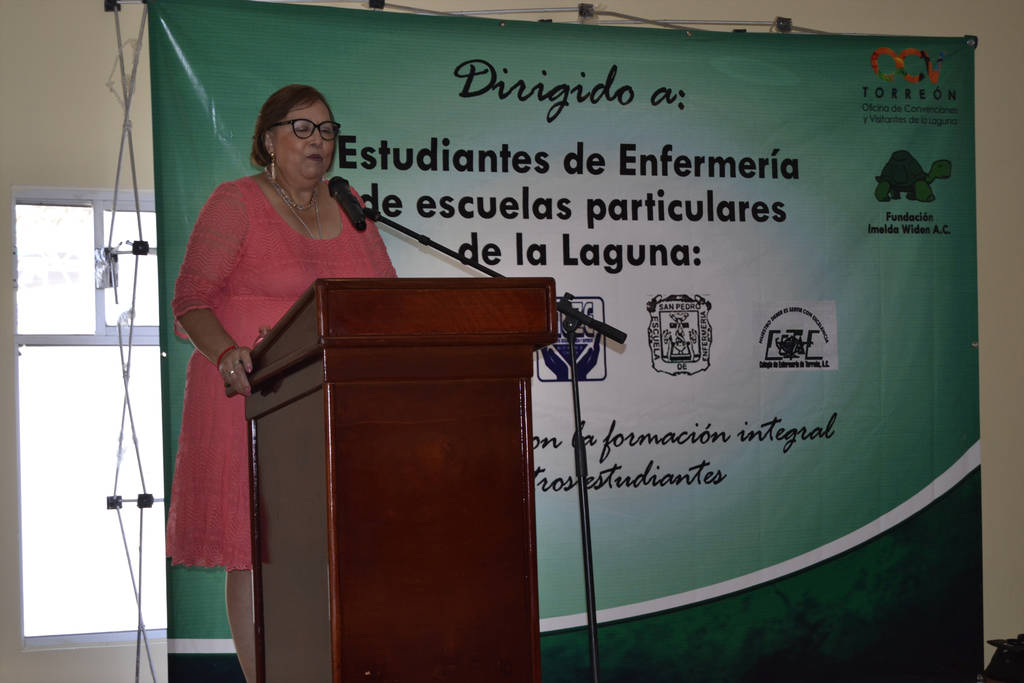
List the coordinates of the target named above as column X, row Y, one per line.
column 303, row 128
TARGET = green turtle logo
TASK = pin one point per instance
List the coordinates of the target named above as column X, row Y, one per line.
column 903, row 175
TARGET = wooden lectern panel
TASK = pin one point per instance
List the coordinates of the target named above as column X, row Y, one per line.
column 393, row 482
column 293, row 568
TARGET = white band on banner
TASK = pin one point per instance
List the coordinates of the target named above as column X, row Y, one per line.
column 916, row 503
column 200, row 646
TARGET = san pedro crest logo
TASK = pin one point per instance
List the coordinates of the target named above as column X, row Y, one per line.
column 679, row 334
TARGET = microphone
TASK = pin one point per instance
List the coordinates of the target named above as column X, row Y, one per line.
column 339, row 189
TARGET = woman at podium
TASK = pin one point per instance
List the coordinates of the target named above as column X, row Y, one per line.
column 258, row 243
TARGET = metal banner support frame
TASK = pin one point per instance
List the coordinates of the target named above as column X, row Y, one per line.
column 106, row 259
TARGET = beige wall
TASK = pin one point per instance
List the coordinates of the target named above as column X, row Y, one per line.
column 60, row 126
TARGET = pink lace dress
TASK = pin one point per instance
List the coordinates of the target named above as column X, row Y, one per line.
column 248, row 265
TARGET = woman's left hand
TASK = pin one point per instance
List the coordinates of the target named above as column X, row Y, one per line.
column 234, row 368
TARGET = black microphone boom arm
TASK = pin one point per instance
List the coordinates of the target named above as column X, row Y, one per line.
column 376, row 217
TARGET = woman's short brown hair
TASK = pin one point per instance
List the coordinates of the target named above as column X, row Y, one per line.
column 275, row 109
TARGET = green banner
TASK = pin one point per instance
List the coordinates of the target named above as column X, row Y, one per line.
column 783, row 455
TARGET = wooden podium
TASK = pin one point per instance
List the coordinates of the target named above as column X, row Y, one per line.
column 392, row 479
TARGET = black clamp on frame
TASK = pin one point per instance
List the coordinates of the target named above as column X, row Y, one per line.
column 144, row 501
column 114, row 5
column 376, row 4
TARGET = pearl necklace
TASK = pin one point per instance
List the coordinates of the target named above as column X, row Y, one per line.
column 295, row 208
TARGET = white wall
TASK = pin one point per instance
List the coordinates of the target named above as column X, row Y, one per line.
column 60, row 126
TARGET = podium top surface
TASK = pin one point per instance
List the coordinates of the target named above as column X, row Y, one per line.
column 403, row 312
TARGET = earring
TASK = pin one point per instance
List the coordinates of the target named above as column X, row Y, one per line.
column 273, row 167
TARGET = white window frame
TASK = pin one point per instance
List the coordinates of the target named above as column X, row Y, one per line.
column 100, row 200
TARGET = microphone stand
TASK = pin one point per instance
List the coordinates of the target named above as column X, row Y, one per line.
column 375, row 216
column 572, row 321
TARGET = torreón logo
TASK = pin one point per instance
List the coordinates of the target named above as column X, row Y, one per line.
column 901, row 70
column 911, row 73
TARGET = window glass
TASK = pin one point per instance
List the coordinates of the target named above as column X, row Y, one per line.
column 56, row 281
column 76, row 577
